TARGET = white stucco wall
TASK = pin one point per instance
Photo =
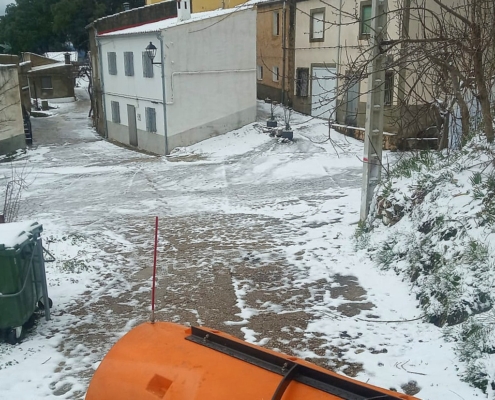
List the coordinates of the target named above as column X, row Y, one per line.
column 135, row 90
column 210, row 76
column 210, row 80
column 11, row 122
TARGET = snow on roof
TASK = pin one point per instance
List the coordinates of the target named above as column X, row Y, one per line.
column 119, row 13
column 8, row 65
column 253, row 2
column 24, row 63
column 171, row 22
column 60, row 55
column 16, row 233
column 48, row 66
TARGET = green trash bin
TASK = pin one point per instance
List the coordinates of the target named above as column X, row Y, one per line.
column 22, row 276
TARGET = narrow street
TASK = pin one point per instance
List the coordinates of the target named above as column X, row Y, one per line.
column 255, row 239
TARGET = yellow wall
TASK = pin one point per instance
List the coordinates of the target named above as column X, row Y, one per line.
column 207, row 5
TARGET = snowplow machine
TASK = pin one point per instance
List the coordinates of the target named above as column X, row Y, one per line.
column 172, row 362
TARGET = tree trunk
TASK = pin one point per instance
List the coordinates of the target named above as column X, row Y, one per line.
column 443, row 143
column 483, row 96
column 479, row 73
column 465, row 116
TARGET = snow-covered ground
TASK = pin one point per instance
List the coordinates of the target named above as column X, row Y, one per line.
column 255, row 239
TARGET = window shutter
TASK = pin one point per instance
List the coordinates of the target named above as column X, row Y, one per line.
column 147, row 66
column 115, row 112
column 153, row 126
column 302, row 82
column 275, row 74
column 46, row 82
column 260, row 72
column 112, row 63
column 129, row 63
column 276, row 23
column 150, row 114
column 389, row 88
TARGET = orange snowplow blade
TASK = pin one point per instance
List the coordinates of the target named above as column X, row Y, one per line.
column 172, row 362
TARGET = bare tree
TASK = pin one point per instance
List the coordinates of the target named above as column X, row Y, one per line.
column 443, row 53
column 8, row 89
column 85, row 72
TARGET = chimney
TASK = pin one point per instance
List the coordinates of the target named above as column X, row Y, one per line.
column 67, row 58
column 183, row 10
column 127, row 6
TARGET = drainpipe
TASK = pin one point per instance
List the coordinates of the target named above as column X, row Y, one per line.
column 283, row 54
column 29, row 88
column 406, row 18
column 162, row 56
column 339, row 49
column 102, row 84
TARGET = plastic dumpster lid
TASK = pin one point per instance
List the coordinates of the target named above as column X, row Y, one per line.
column 14, row 234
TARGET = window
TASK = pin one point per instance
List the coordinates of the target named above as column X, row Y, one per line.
column 112, row 63
column 275, row 74
column 389, row 88
column 46, row 83
column 115, row 112
column 302, row 82
column 259, row 72
column 147, row 66
column 317, row 25
column 150, row 119
column 129, row 63
column 365, row 20
column 276, row 23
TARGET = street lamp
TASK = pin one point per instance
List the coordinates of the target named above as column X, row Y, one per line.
column 151, row 52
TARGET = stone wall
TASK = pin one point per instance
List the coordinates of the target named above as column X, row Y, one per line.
column 11, row 121
column 62, row 82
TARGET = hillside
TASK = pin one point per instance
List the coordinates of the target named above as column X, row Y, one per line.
column 433, row 224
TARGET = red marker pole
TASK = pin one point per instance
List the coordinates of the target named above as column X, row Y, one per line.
column 154, row 274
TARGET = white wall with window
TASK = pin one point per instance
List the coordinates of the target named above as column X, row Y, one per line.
column 130, row 79
column 210, row 83
column 134, row 75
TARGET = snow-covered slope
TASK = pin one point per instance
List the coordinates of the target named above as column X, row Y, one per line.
column 433, row 223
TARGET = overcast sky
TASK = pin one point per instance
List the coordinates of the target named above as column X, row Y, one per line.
column 3, row 4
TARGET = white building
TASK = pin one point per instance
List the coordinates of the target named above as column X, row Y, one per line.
column 60, row 55
column 204, row 69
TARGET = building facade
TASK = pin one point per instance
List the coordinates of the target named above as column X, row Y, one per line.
column 275, row 35
column 204, row 5
column 126, row 19
column 330, row 37
column 49, row 78
column 201, row 85
column 11, row 121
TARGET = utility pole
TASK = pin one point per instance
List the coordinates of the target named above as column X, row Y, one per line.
column 373, row 138
column 284, row 32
